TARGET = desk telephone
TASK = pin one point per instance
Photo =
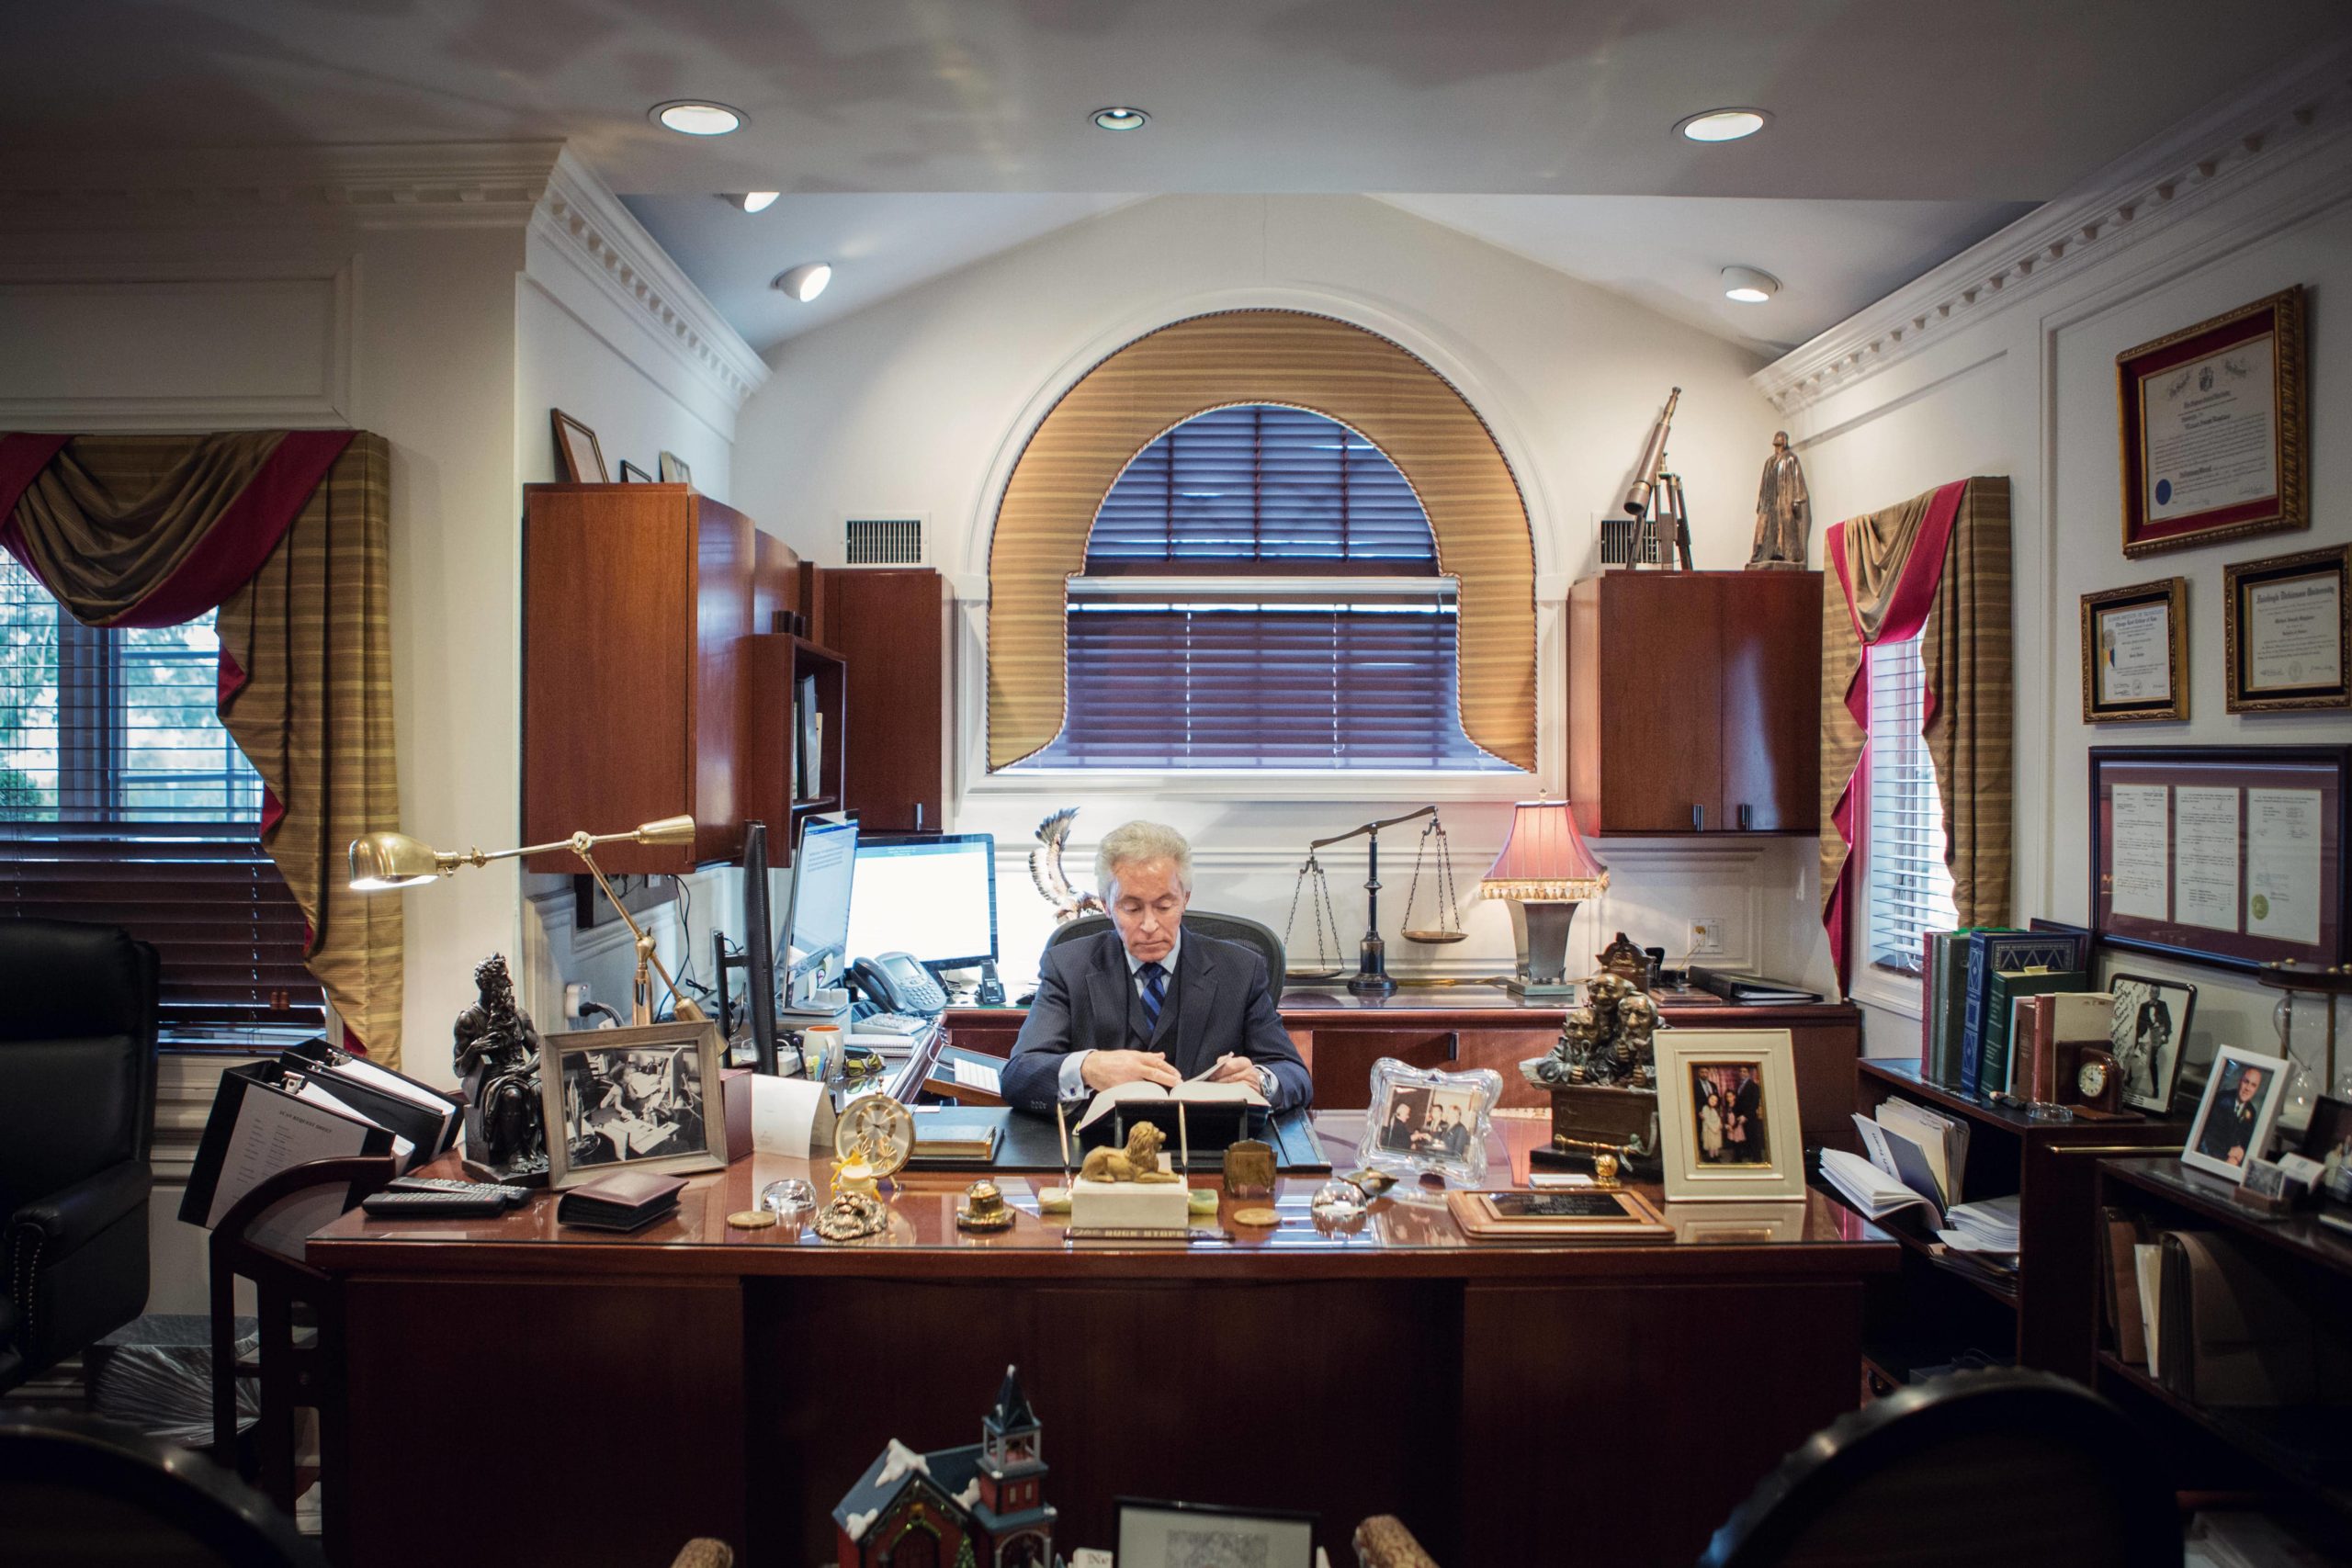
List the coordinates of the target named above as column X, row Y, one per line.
column 895, row 982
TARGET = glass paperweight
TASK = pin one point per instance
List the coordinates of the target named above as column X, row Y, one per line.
column 791, row 1198
column 1336, row 1198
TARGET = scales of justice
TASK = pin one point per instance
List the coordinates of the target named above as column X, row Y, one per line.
column 1371, row 978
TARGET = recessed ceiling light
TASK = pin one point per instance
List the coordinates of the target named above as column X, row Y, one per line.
column 697, row 119
column 806, row 281
column 1121, row 119
column 1723, row 125
column 1748, row 286
column 756, row 200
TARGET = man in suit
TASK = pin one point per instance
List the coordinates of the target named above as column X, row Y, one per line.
column 1149, row 999
column 1747, row 1108
column 2229, row 1131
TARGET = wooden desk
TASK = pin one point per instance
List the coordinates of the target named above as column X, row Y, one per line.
column 602, row 1398
column 1457, row 1027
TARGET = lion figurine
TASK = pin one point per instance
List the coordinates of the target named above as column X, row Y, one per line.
column 1139, row 1161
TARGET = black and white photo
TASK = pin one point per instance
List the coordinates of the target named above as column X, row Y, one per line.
column 638, row 1097
column 2147, row 1028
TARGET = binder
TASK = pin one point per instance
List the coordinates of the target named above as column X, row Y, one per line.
column 257, row 1128
column 418, row 1112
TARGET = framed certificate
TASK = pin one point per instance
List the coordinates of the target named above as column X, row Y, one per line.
column 2135, row 661
column 2228, row 855
column 2287, row 625
column 2215, row 442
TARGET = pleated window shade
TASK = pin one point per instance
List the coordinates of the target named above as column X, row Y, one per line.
column 123, row 801
column 1910, row 888
column 1262, row 592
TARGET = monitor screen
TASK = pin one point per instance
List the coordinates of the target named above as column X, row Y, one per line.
column 822, row 869
column 933, row 895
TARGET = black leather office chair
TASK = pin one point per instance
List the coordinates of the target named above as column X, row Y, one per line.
column 1239, row 928
column 78, row 1489
column 2019, row 1467
column 77, row 1109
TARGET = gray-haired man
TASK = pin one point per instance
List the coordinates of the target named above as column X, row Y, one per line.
column 1147, row 1000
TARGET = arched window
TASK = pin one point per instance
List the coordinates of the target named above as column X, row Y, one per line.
column 1262, row 592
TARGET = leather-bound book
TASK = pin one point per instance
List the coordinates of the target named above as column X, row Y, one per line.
column 625, row 1200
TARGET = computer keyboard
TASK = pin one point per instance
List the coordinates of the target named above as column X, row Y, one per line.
column 901, row 1024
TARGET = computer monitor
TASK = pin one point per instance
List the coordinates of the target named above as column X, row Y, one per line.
column 759, row 950
column 931, row 895
column 817, row 931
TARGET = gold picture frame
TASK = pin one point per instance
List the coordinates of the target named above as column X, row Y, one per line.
column 2215, row 437
column 579, row 459
column 2280, row 635
column 2135, row 652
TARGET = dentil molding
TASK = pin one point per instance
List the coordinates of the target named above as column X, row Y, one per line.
column 2293, row 125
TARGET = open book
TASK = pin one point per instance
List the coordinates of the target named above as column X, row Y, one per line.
column 1197, row 1091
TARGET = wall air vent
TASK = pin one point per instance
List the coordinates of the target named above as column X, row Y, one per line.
column 883, row 541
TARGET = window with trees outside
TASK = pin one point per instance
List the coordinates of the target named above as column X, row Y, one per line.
column 123, row 801
column 1262, row 592
column 1908, row 887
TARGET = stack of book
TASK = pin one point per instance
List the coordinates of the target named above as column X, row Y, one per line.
column 1983, row 1237
column 1973, row 981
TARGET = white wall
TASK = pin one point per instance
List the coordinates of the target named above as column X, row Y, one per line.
column 2027, row 387
column 918, row 405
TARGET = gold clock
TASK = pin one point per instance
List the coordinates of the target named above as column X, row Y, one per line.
column 880, row 1127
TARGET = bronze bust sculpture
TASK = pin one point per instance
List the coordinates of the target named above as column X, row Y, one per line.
column 495, row 1049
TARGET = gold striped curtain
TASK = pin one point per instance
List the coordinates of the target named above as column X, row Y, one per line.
column 1131, row 398
column 117, row 525
column 1965, row 647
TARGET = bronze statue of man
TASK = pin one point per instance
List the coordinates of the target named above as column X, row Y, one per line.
column 1783, row 510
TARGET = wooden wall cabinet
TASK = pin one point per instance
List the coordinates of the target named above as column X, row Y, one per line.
column 640, row 683
column 1694, row 702
column 890, row 624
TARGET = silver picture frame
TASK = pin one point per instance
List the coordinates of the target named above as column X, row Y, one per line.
column 1420, row 1120
column 637, row 1100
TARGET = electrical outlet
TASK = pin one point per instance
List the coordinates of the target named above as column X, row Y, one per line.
column 576, row 1000
column 1707, row 934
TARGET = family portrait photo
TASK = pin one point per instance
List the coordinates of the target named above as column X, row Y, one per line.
column 1431, row 1122
column 2149, row 1024
column 1729, row 1124
column 2240, row 1104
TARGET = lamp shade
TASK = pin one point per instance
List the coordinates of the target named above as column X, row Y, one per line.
column 1545, row 858
column 391, row 859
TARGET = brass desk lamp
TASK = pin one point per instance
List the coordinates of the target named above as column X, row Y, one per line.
column 394, row 860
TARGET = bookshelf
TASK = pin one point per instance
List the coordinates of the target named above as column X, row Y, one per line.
column 2296, row 1460
column 1934, row 1310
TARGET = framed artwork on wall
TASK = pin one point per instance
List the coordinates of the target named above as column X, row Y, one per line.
column 2214, row 436
column 2227, row 855
column 578, row 460
column 2135, row 652
column 2286, row 627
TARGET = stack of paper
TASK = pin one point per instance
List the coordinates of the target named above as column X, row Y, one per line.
column 1916, row 1155
column 1988, row 1226
column 1870, row 1190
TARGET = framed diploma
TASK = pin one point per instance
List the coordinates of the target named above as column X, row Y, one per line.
column 2135, row 661
column 2287, row 625
column 2215, row 442
column 2227, row 855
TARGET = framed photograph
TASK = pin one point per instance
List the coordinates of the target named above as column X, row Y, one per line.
column 2227, row 855
column 633, row 475
column 633, row 1097
column 578, row 460
column 675, row 470
column 2135, row 652
column 1194, row 1535
column 1727, row 1114
column 2215, row 444
column 2287, row 628
column 2147, row 1028
column 2242, row 1094
column 1585, row 1214
column 1419, row 1120
column 2328, row 1139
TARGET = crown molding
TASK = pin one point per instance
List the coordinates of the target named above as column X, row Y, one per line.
column 584, row 222
column 423, row 185
column 2288, row 123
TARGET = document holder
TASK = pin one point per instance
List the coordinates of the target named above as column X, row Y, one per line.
column 257, row 1129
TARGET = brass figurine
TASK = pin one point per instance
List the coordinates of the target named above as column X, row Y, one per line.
column 1248, row 1169
column 851, row 1216
column 1139, row 1161
column 1784, row 512
column 984, row 1208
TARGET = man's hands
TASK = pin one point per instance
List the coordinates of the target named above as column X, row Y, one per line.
column 1101, row 1069
column 1231, row 1068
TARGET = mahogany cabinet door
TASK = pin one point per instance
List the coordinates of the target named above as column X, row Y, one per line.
column 1771, row 702
column 1645, row 718
column 1340, row 1060
column 890, row 624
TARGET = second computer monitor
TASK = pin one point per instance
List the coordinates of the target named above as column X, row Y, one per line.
column 817, row 933
column 933, row 895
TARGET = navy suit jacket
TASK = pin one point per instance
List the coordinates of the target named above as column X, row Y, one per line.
column 1220, row 1003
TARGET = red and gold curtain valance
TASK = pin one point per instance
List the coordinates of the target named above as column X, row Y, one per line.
column 1935, row 567
column 285, row 532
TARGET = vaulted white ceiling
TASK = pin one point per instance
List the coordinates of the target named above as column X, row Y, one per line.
column 1909, row 127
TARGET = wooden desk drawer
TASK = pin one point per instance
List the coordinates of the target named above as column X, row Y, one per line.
column 1341, row 1059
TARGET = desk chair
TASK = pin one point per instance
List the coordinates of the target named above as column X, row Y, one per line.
column 293, row 1376
column 78, row 1488
column 77, row 1112
column 1239, row 928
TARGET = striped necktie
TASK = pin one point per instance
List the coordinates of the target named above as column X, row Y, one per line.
column 1155, row 991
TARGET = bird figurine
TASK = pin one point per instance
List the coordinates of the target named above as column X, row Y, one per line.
column 1045, row 871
